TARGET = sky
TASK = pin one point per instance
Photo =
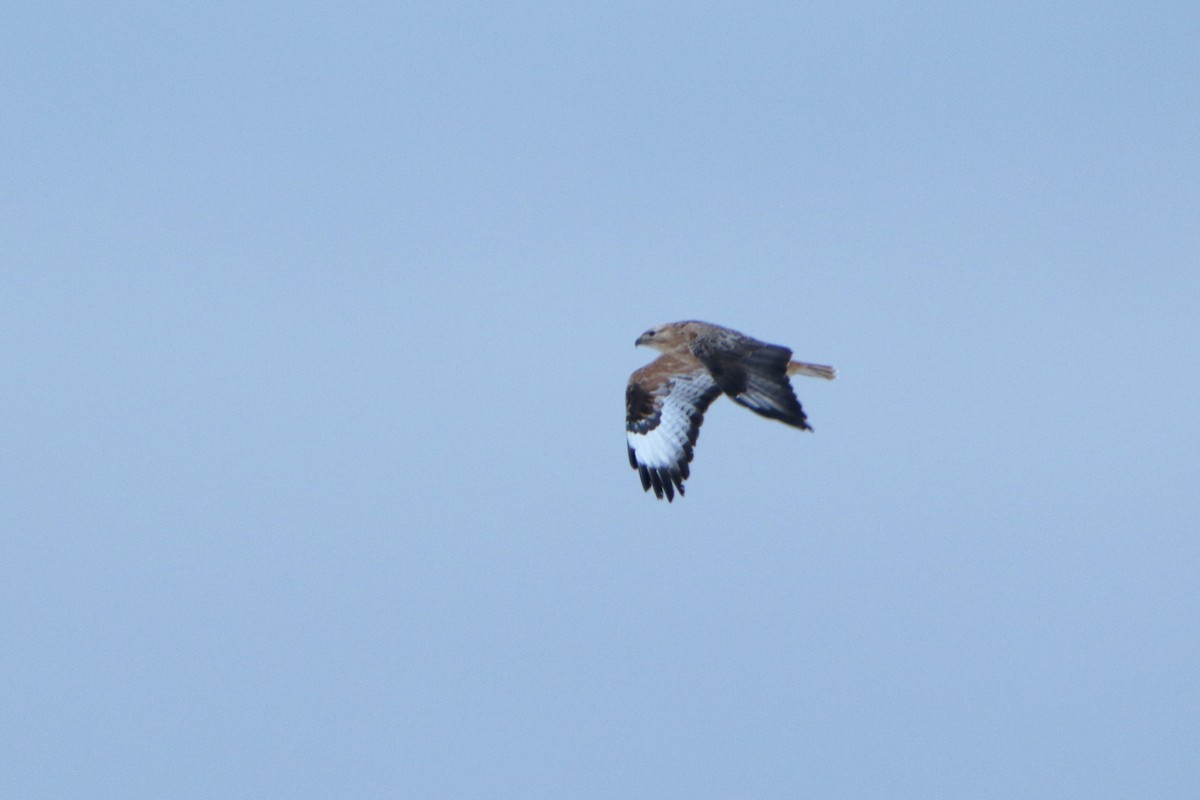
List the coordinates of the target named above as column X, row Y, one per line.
column 317, row 323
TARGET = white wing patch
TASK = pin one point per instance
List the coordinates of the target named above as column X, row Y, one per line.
column 660, row 445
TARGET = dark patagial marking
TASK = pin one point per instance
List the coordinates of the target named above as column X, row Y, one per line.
column 640, row 414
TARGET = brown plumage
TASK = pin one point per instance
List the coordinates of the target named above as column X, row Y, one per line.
column 665, row 400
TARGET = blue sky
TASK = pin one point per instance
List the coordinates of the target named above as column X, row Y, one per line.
column 317, row 326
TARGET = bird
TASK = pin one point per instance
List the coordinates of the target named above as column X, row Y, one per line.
column 666, row 399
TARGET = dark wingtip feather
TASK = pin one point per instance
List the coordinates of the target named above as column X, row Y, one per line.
column 644, row 474
column 656, row 482
column 663, row 480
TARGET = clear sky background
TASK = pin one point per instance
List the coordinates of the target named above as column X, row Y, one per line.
column 317, row 320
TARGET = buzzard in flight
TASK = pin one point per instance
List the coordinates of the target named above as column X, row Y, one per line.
column 665, row 400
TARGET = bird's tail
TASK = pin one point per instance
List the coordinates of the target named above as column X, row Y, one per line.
column 811, row 370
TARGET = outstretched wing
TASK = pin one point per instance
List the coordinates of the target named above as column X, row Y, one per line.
column 754, row 374
column 663, row 413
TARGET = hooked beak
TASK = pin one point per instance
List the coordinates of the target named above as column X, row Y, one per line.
column 641, row 340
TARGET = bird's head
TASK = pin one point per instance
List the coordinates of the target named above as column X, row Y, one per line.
column 667, row 337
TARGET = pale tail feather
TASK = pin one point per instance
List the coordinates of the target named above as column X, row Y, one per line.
column 811, row 370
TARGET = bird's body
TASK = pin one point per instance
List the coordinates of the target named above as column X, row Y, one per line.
column 665, row 400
